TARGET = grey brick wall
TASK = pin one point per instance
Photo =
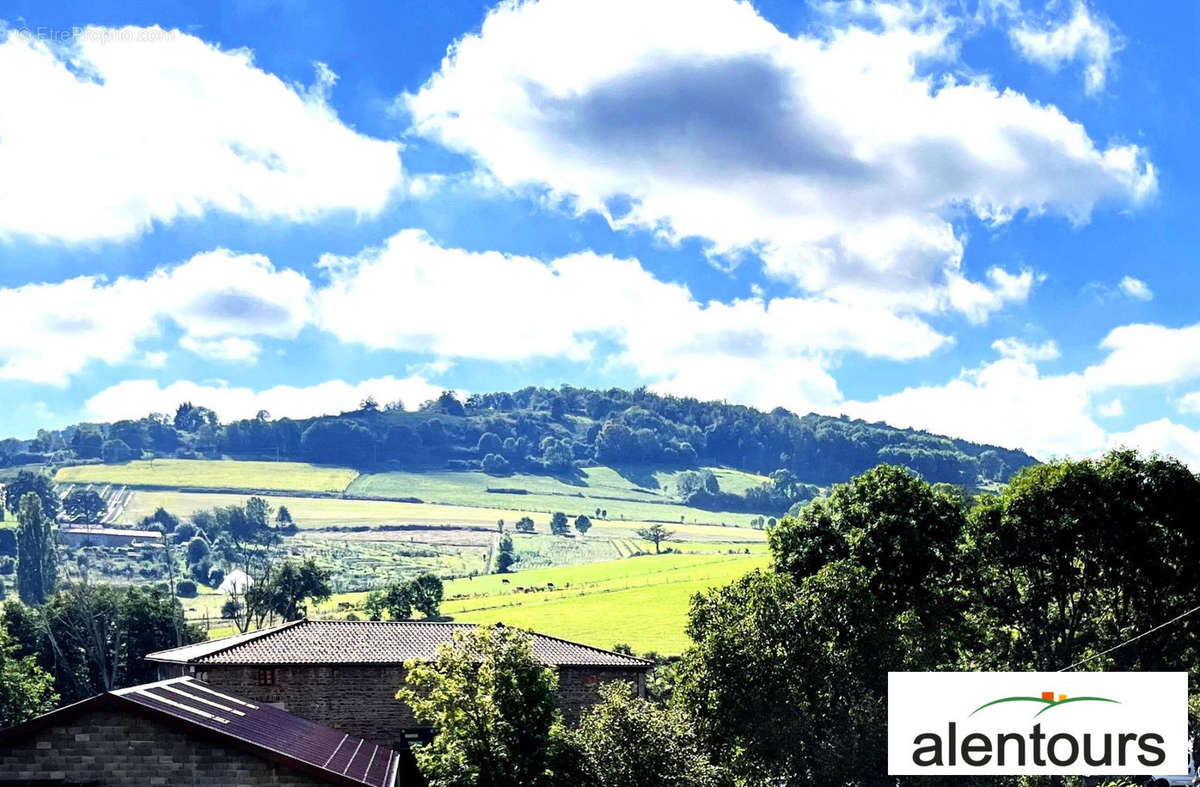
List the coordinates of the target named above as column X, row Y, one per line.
column 118, row 749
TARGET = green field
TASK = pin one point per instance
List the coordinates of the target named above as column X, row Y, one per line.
column 641, row 601
column 213, row 474
column 607, row 589
column 600, row 487
column 324, row 512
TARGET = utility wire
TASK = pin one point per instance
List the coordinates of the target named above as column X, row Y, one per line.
column 1180, row 616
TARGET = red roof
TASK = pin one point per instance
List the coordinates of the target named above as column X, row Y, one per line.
column 264, row 730
column 370, row 642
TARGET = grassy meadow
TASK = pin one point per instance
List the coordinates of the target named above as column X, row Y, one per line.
column 212, row 474
column 603, row 488
column 641, row 601
column 324, row 512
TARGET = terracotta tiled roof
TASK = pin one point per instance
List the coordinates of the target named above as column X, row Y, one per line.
column 194, row 707
column 369, row 642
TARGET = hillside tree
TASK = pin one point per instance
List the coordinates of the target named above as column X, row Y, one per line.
column 85, row 505
column 583, row 524
column 505, row 556
column 655, row 534
column 38, row 483
column 559, row 524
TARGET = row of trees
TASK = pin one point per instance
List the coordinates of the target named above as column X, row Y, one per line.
column 786, row 680
column 86, row 639
column 543, row 430
column 560, row 524
column 401, row 598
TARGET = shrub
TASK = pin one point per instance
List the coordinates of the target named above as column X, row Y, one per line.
column 7, row 565
column 197, row 550
column 113, row 451
column 201, row 570
column 216, row 576
column 495, row 464
column 8, row 541
column 184, row 532
column 186, row 588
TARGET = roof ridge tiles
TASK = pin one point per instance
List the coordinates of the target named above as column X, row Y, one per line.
column 313, row 641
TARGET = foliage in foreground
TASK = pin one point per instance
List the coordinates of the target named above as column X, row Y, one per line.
column 94, row 638
column 495, row 708
column 26, row 690
column 788, row 674
column 626, row 741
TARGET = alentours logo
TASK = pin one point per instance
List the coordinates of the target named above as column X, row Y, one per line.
column 1097, row 723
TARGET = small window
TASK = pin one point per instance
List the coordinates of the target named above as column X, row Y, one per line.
column 266, row 677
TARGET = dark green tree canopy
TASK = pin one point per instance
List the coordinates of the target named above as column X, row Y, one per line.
column 38, row 483
column 85, row 505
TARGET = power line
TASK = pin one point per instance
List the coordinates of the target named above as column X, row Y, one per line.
column 1178, row 617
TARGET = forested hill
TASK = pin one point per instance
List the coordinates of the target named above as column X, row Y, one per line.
column 539, row 430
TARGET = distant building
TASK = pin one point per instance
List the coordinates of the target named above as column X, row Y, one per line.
column 346, row 673
column 182, row 732
column 96, row 535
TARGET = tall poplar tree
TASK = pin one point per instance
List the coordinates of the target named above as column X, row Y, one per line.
column 37, row 557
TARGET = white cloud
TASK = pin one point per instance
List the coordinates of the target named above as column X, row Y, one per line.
column 977, row 300
column 753, row 350
column 220, row 293
column 124, row 128
column 1136, row 289
column 800, row 384
column 1189, row 403
column 1165, row 437
column 135, row 398
column 1086, row 38
column 1006, row 403
column 1113, row 409
column 154, row 360
column 231, row 348
column 1147, row 354
column 1013, row 347
column 217, row 299
column 838, row 159
column 66, row 325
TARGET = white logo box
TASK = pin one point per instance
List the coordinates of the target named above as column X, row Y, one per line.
column 1133, row 709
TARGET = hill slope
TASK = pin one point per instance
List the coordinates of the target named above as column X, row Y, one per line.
column 553, row 432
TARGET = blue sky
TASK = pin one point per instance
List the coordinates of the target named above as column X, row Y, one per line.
column 975, row 218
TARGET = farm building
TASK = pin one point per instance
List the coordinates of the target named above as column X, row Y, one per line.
column 346, row 673
column 183, row 732
column 82, row 535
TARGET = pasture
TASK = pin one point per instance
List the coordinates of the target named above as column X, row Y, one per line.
column 212, row 474
column 322, row 512
column 600, row 488
column 641, row 601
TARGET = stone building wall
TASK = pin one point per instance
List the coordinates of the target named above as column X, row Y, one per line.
column 114, row 749
column 361, row 699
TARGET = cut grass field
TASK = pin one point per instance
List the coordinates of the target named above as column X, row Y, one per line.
column 324, row 512
column 212, row 474
column 600, row 488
